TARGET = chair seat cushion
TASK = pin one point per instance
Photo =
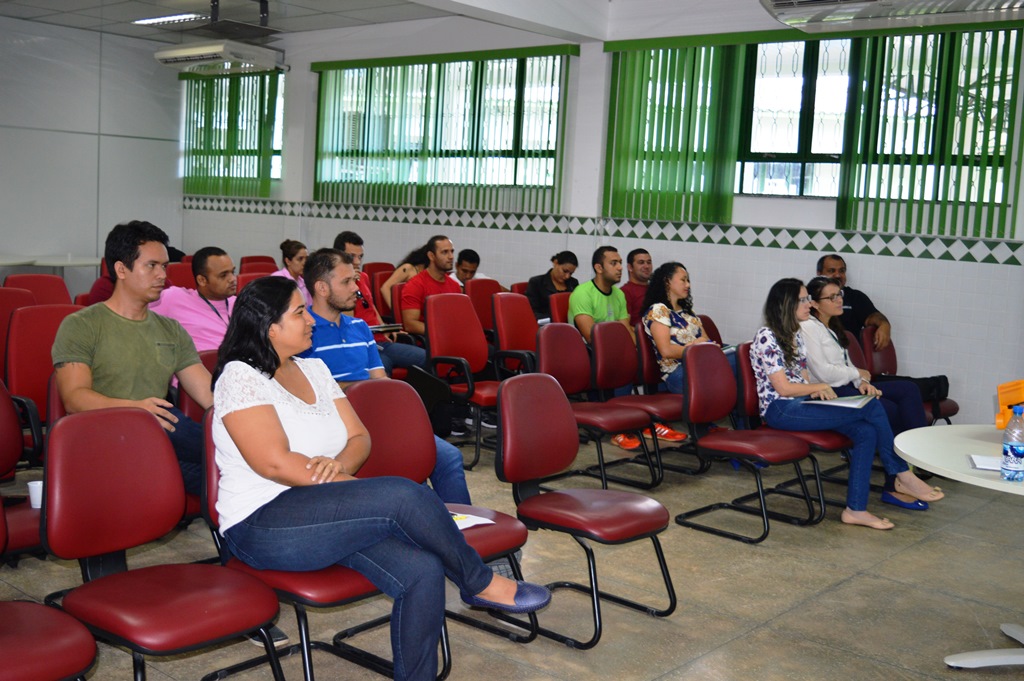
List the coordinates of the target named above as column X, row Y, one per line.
column 947, row 408
column 485, row 393
column 22, row 527
column 771, row 448
column 505, row 536
column 38, row 643
column 663, row 406
column 819, row 440
column 193, row 506
column 610, row 418
column 603, row 515
column 331, row 586
column 173, row 608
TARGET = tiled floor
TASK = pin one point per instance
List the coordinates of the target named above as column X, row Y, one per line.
column 829, row 601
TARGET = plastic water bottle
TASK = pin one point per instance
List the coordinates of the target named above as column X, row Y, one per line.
column 1012, row 467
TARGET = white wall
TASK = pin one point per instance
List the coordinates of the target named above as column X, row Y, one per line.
column 88, row 138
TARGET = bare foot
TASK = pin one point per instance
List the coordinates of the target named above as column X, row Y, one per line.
column 910, row 484
column 500, row 590
column 851, row 517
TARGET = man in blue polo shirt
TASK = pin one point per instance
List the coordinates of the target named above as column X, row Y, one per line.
column 347, row 347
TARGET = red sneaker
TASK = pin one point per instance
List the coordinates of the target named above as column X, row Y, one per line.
column 667, row 434
column 626, row 441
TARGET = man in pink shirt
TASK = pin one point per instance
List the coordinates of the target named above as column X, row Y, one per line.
column 205, row 310
column 431, row 281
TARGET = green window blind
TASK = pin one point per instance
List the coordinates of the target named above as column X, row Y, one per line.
column 232, row 134
column 934, row 137
column 479, row 132
column 673, row 131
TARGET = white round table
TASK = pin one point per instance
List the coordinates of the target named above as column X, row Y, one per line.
column 945, row 450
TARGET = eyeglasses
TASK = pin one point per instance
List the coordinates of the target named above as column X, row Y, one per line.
column 833, row 298
column 804, row 299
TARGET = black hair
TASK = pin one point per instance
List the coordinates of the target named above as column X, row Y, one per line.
column 657, row 288
column 635, row 252
column 261, row 303
column 814, row 288
column 468, row 255
column 417, row 256
column 822, row 259
column 321, row 263
column 565, row 258
column 290, row 248
column 201, row 256
column 598, row 257
column 123, row 243
column 431, row 245
column 347, row 237
column 780, row 316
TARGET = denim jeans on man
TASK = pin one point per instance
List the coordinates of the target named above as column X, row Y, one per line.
column 402, row 355
column 395, row 532
column 188, row 441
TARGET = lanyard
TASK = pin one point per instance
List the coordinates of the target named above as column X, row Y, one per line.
column 215, row 310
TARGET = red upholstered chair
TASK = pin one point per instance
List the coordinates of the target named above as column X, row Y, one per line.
column 187, row 259
column 562, row 354
column 457, row 351
column 82, row 299
column 372, row 268
column 710, row 328
column 96, row 507
column 856, row 354
column 377, row 280
column 38, row 643
column 883, row 361
column 560, row 308
column 515, row 330
column 10, row 300
column 48, row 289
column 709, row 395
column 19, row 522
column 519, row 287
column 29, row 365
column 258, row 268
column 188, row 406
column 246, row 259
column 538, row 439
column 244, row 279
column 480, row 292
column 180, row 274
column 820, row 441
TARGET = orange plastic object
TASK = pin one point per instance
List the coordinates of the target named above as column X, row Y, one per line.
column 1008, row 395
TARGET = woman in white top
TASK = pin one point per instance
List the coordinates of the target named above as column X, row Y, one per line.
column 287, row 445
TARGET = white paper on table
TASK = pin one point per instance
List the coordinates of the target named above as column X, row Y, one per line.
column 464, row 521
column 985, row 463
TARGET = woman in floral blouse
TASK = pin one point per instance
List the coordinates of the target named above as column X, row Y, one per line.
column 670, row 322
column 787, row 399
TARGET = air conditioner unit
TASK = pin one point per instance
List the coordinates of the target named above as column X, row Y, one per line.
column 819, row 16
column 221, row 57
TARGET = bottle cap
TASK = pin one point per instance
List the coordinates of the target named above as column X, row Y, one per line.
column 1018, row 410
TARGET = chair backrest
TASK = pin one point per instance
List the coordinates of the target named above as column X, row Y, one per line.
column 519, row 287
column 244, row 279
column 188, row 406
column 409, row 451
column 187, row 258
column 856, row 354
column 747, row 403
column 453, row 330
column 371, row 268
column 615, row 356
column 54, row 404
column 11, row 441
column 10, row 300
column 650, row 370
column 104, row 272
column 877, row 361
column 537, row 432
column 94, row 500
column 709, row 387
column 514, row 323
column 710, row 328
column 180, row 274
column 246, row 259
column 560, row 307
column 562, row 354
column 377, row 280
column 29, row 341
column 258, row 268
column 480, row 292
column 396, row 301
column 48, row 289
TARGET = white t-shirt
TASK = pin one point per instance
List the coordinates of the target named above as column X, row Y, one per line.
column 827, row 360
column 312, row 429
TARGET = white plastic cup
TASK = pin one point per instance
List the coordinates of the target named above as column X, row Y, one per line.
column 35, row 493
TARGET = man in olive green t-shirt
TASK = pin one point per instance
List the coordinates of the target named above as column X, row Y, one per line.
column 119, row 354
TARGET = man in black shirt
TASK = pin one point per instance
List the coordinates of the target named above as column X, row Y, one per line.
column 858, row 310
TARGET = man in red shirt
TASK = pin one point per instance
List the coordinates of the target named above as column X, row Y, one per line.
column 431, row 281
column 640, row 267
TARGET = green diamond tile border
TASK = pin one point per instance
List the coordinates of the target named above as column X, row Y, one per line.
column 954, row 249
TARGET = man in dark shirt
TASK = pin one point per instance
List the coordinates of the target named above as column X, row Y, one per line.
column 639, row 267
column 858, row 310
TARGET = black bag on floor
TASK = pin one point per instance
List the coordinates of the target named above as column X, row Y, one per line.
column 933, row 389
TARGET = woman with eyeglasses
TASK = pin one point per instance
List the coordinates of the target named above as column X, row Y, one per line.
column 788, row 401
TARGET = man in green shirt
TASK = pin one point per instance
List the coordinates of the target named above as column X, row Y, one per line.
column 119, row 354
column 600, row 300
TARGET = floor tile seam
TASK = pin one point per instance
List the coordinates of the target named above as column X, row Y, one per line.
column 949, row 594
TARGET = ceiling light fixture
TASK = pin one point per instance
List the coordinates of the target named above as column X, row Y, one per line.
column 173, row 19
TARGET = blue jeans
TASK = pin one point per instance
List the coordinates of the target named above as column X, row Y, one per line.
column 867, row 427
column 188, row 441
column 449, row 477
column 402, row 355
column 901, row 401
column 395, row 532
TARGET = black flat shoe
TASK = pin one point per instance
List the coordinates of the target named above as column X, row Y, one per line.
column 529, row 597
